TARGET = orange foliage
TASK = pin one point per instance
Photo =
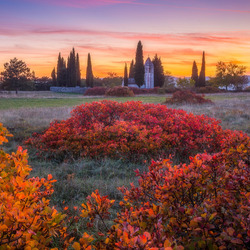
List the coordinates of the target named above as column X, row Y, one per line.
column 26, row 219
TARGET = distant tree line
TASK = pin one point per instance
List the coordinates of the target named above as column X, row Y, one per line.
column 68, row 73
column 17, row 75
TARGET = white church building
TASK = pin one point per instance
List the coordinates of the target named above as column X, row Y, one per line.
column 148, row 76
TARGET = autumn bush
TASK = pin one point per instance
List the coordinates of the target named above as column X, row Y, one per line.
column 26, row 219
column 202, row 205
column 247, row 89
column 96, row 91
column 208, row 89
column 187, row 97
column 130, row 130
column 140, row 91
column 119, row 91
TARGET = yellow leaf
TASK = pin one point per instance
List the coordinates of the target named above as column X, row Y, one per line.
column 167, row 243
column 204, row 215
column 212, row 216
column 76, row 246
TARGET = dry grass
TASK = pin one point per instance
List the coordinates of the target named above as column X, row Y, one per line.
column 37, row 117
column 233, row 112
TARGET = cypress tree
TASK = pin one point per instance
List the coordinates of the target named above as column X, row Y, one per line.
column 195, row 74
column 72, row 68
column 78, row 72
column 61, row 71
column 139, row 65
column 202, row 77
column 59, row 68
column 159, row 76
column 89, row 73
column 68, row 71
column 132, row 70
column 53, row 76
column 126, row 75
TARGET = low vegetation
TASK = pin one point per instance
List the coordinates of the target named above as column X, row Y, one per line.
column 96, row 91
column 76, row 179
column 119, row 91
column 200, row 213
column 129, row 130
column 26, row 219
column 187, row 97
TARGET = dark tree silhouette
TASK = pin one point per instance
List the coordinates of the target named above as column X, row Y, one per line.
column 126, row 75
column 139, row 66
column 69, row 75
column 195, row 76
column 53, row 76
column 230, row 75
column 89, row 73
column 202, row 76
column 16, row 76
column 62, row 78
column 72, row 69
column 132, row 70
column 159, row 77
column 78, row 72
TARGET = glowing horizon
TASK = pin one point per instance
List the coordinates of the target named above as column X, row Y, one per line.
column 178, row 31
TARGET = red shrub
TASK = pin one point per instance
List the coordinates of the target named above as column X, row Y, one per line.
column 96, row 91
column 208, row 89
column 187, row 97
column 119, row 91
column 131, row 130
column 200, row 205
column 139, row 91
column 203, row 205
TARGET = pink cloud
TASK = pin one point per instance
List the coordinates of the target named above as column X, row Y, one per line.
column 94, row 3
column 241, row 37
column 86, row 4
column 179, row 38
column 211, row 9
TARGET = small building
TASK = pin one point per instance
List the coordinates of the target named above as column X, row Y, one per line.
column 149, row 75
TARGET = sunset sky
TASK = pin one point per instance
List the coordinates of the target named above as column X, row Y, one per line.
column 35, row 31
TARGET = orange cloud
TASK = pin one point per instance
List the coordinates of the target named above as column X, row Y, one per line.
column 110, row 49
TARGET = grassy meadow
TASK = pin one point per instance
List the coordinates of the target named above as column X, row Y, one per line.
column 32, row 112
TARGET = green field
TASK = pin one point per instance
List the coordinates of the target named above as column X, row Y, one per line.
column 69, row 100
column 15, row 103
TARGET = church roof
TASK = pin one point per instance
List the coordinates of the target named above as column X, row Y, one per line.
column 148, row 62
